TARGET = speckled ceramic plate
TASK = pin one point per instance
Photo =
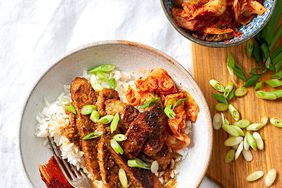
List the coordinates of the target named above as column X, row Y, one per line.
column 248, row 31
column 130, row 57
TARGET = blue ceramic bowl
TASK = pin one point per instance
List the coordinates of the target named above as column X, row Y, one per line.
column 248, row 31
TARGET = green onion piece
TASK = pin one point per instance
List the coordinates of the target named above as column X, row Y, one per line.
column 114, row 123
column 178, row 102
column 234, row 112
column 221, row 107
column 277, row 61
column 241, row 91
column 112, row 83
column 239, row 130
column 149, row 102
column 253, row 80
column 69, row 107
column 258, row 70
column 169, row 112
column 94, row 116
column 228, row 89
column 266, row 95
column 268, row 64
column 106, row 119
column 255, row 126
column 217, row 86
column 277, row 75
column 220, row 98
column 119, row 137
column 274, row 83
column 249, row 48
column 243, row 123
column 87, row 109
column 264, row 120
column 93, row 135
column 137, row 163
column 230, row 155
column 265, row 51
column 122, row 178
column 102, row 68
column 259, row 85
column 251, row 140
column 231, row 95
column 257, row 53
column 275, row 38
column 229, row 129
column 235, row 68
column 116, row 147
column 276, row 122
column 102, row 75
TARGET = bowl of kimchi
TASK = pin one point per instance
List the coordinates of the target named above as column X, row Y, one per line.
column 218, row 23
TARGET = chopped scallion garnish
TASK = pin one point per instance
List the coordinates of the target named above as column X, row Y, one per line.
column 87, row 109
column 106, row 119
column 137, row 163
column 119, row 137
column 102, row 68
column 94, row 116
column 116, row 147
column 169, row 111
column 70, row 108
column 114, row 123
column 93, row 135
column 149, row 102
column 178, row 102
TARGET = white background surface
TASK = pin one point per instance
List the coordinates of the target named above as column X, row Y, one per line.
column 34, row 34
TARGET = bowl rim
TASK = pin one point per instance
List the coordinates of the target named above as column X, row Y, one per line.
column 215, row 44
column 155, row 51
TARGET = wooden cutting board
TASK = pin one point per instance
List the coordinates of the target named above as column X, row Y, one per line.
column 210, row 63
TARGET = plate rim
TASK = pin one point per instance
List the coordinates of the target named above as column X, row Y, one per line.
column 145, row 47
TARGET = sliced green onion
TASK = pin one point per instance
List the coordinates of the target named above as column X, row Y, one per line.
column 119, row 137
column 69, row 107
column 257, row 53
column 241, row 91
column 265, row 51
column 137, row 163
column 102, row 75
column 274, row 83
column 230, row 130
column 253, row 80
column 217, row 86
column 106, row 119
column 228, row 89
column 232, row 141
column 93, row 135
column 239, row 130
column 269, row 64
column 178, row 102
column 122, row 178
column 255, row 126
column 231, row 95
column 266, row 95
column 264, row 120
column 251, row 140
column 276, row 122
column 275, row 38
column 169, row 112
column 243, row 123
column 277, row 75
column 234, row 112
column 94, row 116
column 114, row 123
column 102, row 68
column 148, row 103
column 254, row 176
column 259, row 85
column 112, row 83
column 95, row 83
column 116, row 147
column 249, row 48
column 220, row 98
column 230, row 155
column 235, row 68
column 221, row 107
column 87, row 109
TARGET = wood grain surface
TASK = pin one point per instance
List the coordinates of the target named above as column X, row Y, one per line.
column 210, row 63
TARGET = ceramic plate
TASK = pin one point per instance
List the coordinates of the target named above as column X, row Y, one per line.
column 129, row 57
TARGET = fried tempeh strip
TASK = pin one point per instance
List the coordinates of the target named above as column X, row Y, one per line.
column 82, row 94
column 70, row 131
column 138, row 177
column 108, row 168
column 103, row 96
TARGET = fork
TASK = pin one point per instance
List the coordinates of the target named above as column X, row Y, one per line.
column 77, row 178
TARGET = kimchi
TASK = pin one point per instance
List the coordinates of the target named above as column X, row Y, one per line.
column 215, row 20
